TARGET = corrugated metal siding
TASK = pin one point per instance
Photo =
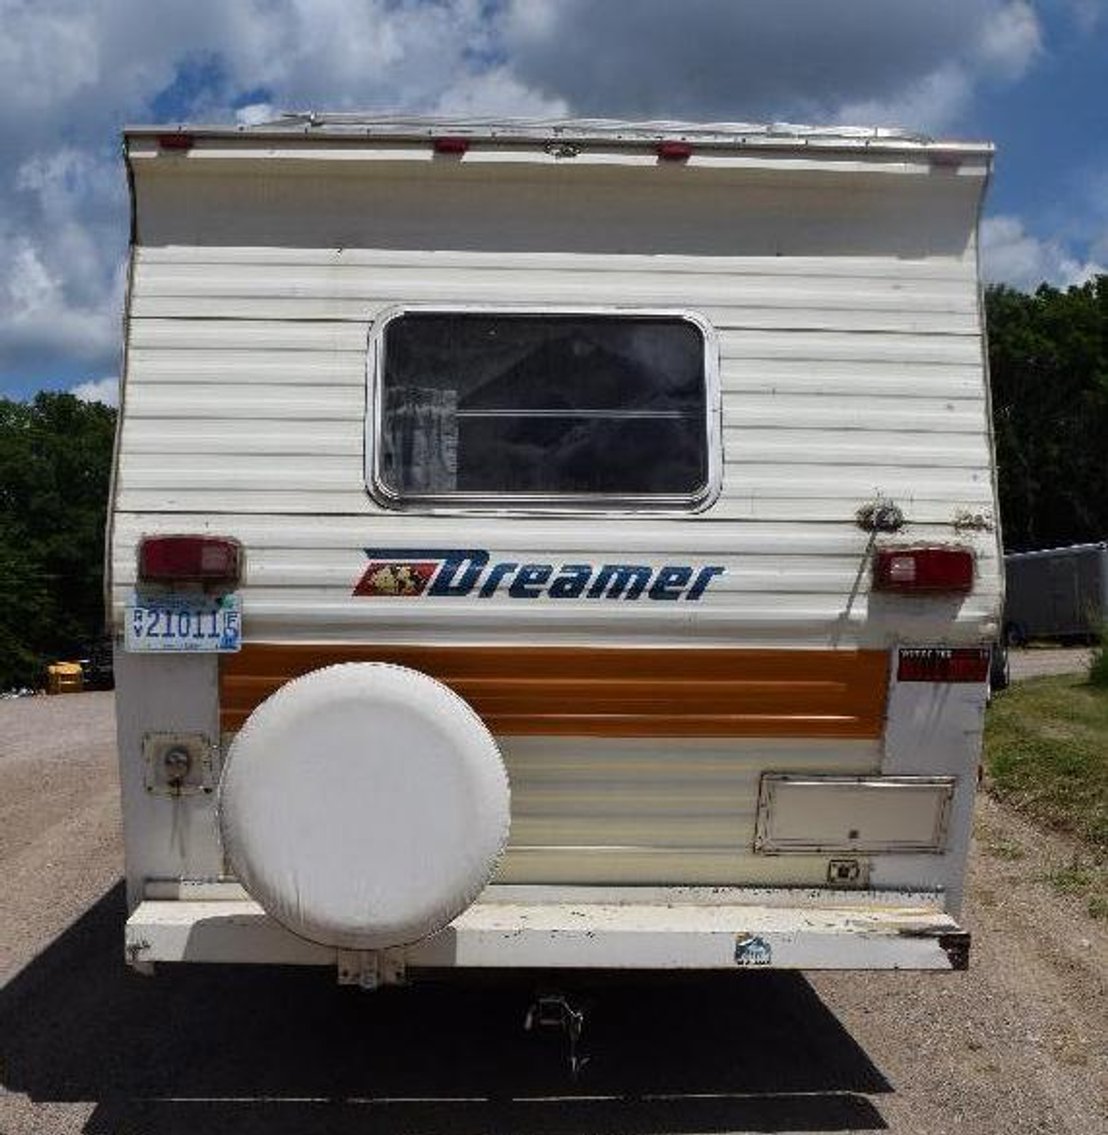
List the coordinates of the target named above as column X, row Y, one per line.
column 639, row 812
column 607, row 692
column 197, row 424
column 788, row 583
column 244, row 417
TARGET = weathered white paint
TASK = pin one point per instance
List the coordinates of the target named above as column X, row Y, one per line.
column 935, row 729
column 549, row 933
column 682, row 810
column 839, row 271
column 164, row 836
column 853, row 815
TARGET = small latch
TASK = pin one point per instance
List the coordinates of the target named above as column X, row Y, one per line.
column 847, row 872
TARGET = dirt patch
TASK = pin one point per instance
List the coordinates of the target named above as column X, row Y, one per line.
column 1019, row 1042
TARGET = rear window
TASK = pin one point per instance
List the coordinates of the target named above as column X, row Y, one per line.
column 587, row 409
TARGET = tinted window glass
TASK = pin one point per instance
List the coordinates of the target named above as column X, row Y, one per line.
column 495, row 404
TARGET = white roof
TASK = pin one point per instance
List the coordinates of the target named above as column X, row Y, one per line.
column 612, row 132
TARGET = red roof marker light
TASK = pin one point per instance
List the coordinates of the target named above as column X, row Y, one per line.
column 178, row 141
column 674, row 151
column 450, row 144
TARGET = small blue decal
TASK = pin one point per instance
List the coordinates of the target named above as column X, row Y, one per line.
column 750, row 950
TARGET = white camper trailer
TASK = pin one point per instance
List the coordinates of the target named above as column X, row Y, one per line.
column 551, row 545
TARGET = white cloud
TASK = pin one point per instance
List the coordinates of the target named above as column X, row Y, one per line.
column 73, row 71
column 1087, row 13
column 104, row 390
column 768, row 59
column 1010, row 39
column 498, row 92
column 40, row 313
column 53, row 51
column 1012, row 255
column 934, row 100
column 255, row 112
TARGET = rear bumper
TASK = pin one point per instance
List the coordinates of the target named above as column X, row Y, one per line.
column 549, row 928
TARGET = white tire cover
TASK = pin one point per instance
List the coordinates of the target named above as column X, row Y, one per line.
column 364, row 806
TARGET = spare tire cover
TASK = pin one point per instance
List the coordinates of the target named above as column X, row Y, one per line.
column 364, row 805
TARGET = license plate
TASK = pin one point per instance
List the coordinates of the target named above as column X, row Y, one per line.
column 184, row 623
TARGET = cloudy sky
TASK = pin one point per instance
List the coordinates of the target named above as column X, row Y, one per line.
column 1031, row 77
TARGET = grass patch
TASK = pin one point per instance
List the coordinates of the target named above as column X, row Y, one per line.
column 1004, row 849
column 1075, row 878
column 1088, row 879
column 1046, row 755
column 995, row 844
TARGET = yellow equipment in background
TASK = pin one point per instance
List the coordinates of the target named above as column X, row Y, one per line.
column 64, row 678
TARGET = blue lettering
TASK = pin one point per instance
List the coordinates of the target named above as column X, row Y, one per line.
column 461, row 572
column 669, row 582
column 617, row 577
column 570, row 582
column 704, row 577
column 471, row 563
column 529, row 580
column 496, row 573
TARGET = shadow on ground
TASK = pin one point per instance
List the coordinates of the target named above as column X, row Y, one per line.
column 287, row 1051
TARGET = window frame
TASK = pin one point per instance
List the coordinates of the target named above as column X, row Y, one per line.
column 523, row 502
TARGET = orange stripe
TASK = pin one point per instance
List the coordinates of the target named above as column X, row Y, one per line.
column 617, row 692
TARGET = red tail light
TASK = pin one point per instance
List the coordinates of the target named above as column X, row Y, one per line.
column 943, row 664
column 923, row 569
column 189, row 559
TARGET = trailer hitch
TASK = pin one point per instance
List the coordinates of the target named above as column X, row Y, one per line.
column 555, row 1012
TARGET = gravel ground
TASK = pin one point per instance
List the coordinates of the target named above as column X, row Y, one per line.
column 1037, row 663
column 1017, row 1044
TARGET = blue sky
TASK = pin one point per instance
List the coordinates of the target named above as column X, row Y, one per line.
column 1031, row 77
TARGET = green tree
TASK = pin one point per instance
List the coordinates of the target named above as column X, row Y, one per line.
column 55, row 465
column 1048, row 357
